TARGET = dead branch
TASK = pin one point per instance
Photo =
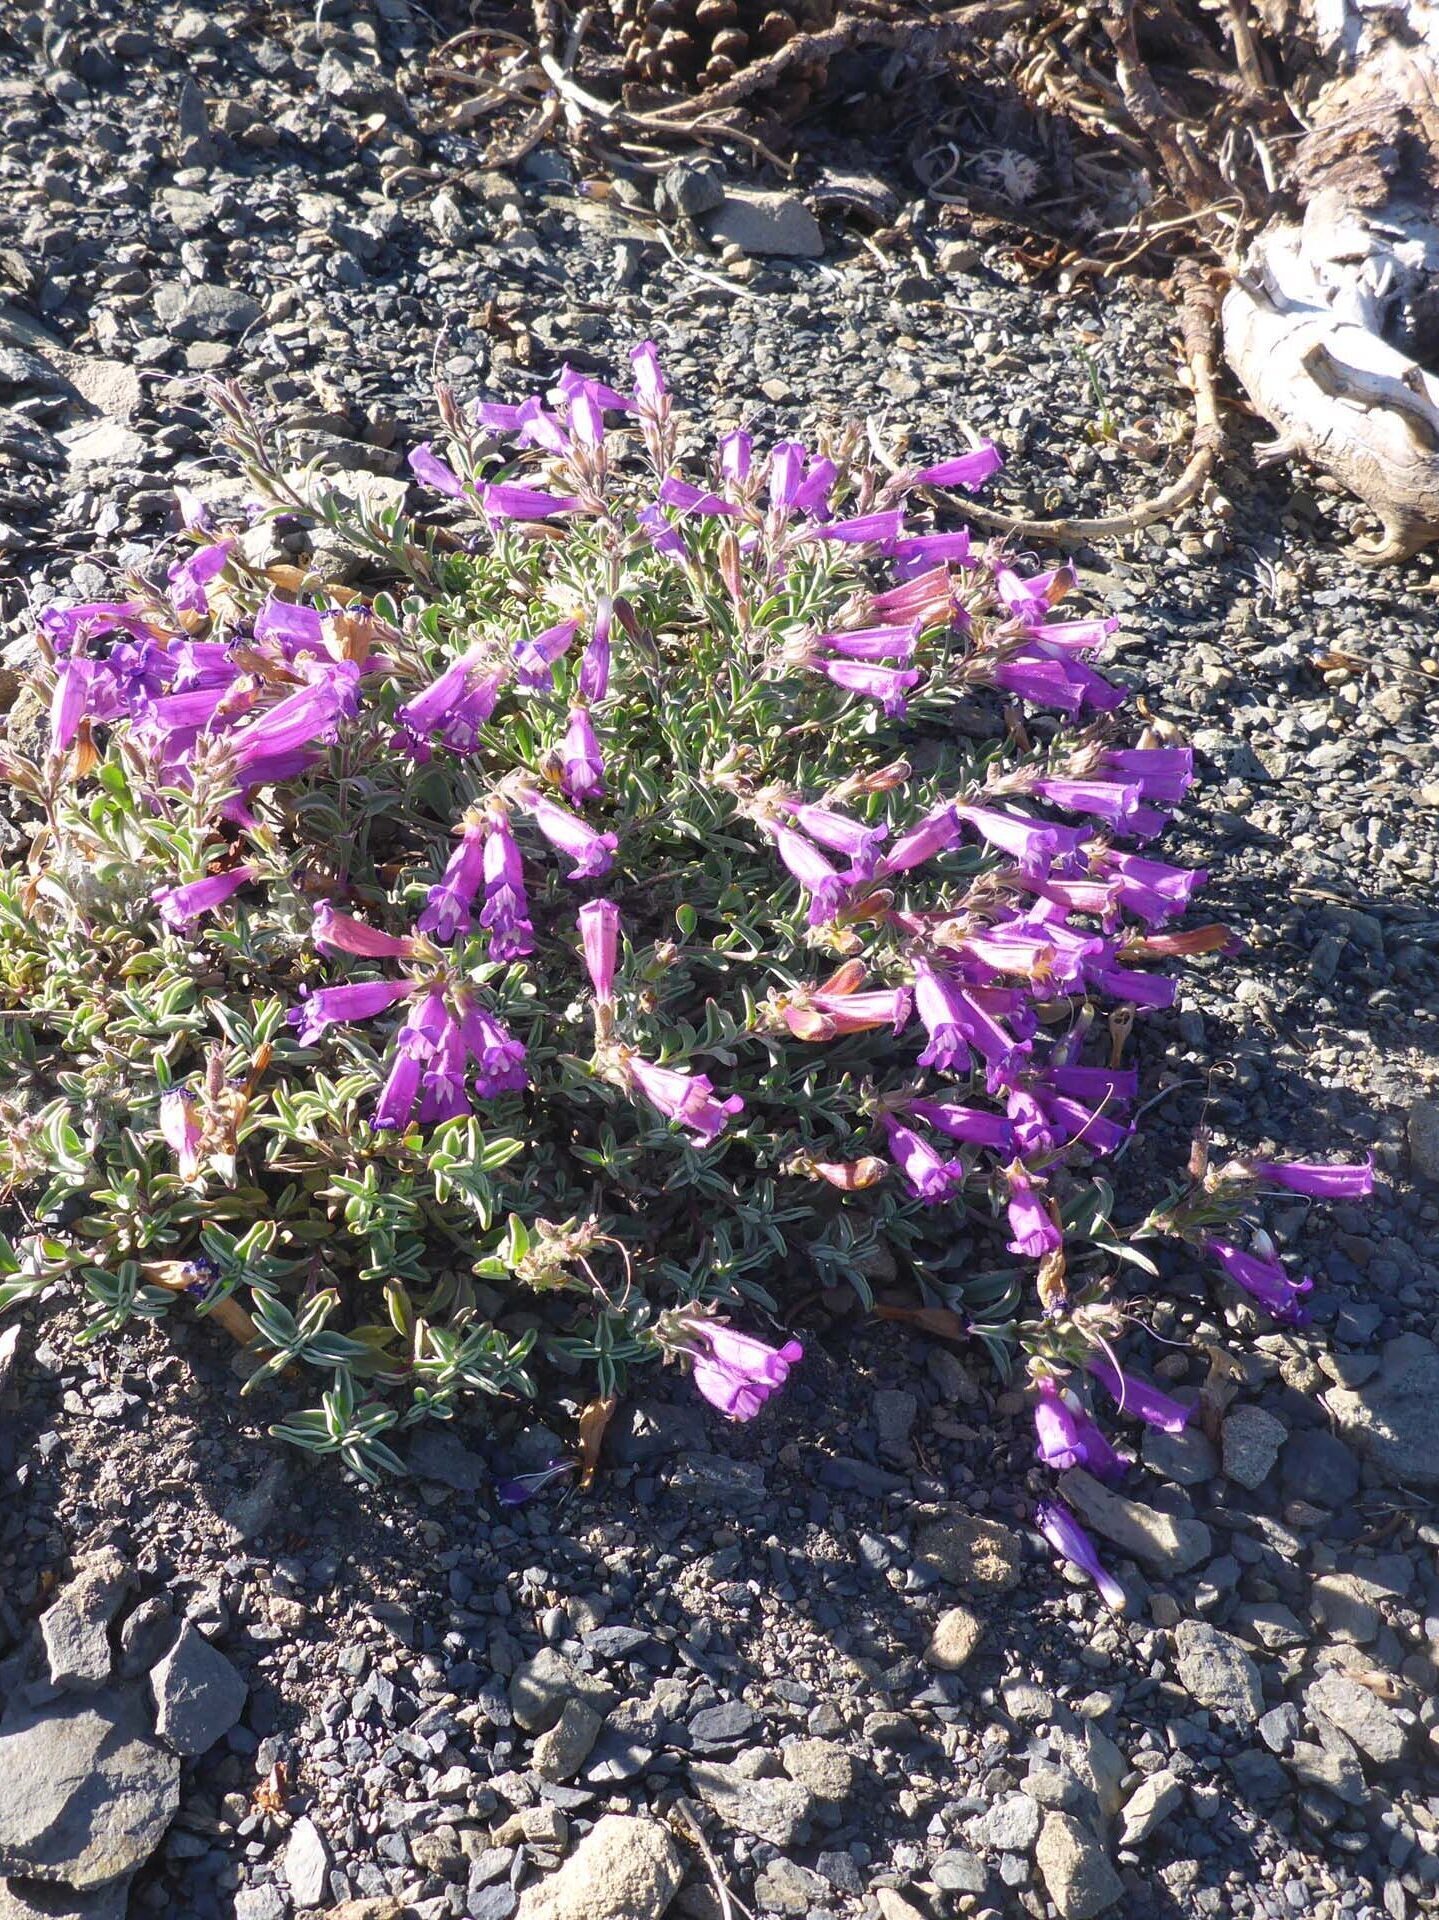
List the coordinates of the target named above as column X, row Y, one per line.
column 1198, row 321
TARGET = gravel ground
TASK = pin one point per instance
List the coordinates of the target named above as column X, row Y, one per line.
column 829, row 1633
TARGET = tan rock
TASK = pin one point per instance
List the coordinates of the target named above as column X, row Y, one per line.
column 957, row 1633
column 626, row 1868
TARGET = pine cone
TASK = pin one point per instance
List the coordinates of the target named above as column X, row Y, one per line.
column 687, row 44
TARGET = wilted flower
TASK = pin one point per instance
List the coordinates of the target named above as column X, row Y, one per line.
column 1139, row 1397
column 181, row 1130
column 1072, row 1543
column 1265, row 1281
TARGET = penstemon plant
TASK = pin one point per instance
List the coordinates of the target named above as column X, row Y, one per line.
column 650, row 899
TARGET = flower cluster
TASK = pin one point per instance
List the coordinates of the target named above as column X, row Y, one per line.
column 644, row 889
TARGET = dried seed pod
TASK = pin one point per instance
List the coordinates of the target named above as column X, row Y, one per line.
column 775, row 29
column 719, row 70
column 712, row 15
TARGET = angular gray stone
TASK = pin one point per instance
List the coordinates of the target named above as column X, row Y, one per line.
column 1186, row 1457
column 1390, row 1420
column 88, row 1792
column 1151, row 1803
column 541, row 1689
column 969, row 1552
column 957, row 1633
column 1218, row 1672
column 829, row 1770
column 1250, row 1440
column 34, row 1900
column 306, row 1862
column 786, row 1887
column 438, row 1454
column 204, row 312
column 627, row 1867
column 773, row 1810
column 198, row 1694
column 1334, row 1770
column 1011, row 1825
column 1423, row 1131
column 1076, row 1871
column 1167, row 1543
column 563, row 1749
column 1317, row 1466
column 76, row 1625
column 1359, row 1713
column 1344, row 1604
column 765, row 223
column 956, row 1871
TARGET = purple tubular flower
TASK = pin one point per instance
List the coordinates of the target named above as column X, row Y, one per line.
column 970, row 1124
column 1035, row 844
column 1139, row 1397
column 497, row 417
column 1095, row 1083
column 1068, row 685
column 609, row 399
column 179, row 906
column 291, row 628
column 865, row 527
column 415, row 1047
column 447, row 909
column 825, row 887
column 592, row 852
column 1163, row 774
column 587, row 419
column 298, row 723
column 936, row 833
column 736, row 455
column 500, row 501
column 506, row 911
column 679, row 493
column 662, row 536
column 1072, row 1543
column 936, row 1001
column 443, row 1092
column 1150, row 889
column 924, row 550
column 812, row 493
column 534, row 659
column 969, row 470
column 431, row 471
column 650, row 391
column 524, row 1486
column 1073, row 636
column 786, row 470
column 1319, row 1181
column 541, row 429
column 1030, row 1220
column 359, row 1000
column 498, row 1055
column 1123, row 983
column 340, row 933
column 595, row 660
column 1265, row 1281
column 1030, row 600
column 737, row 1373
column 63, row 626
column 1105, row 800
column 929, row 1176
column 888, row 685
column 70, row 703
column 1066, row 1437
column 189, row 579
column 584, row 767
column 686, row 1098
column 843, row 835
column 873, row 643
column 455, row 705
column 600, row 938
column 1071, row 1121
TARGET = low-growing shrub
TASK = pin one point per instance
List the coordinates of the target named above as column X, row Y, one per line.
column 650, row 901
